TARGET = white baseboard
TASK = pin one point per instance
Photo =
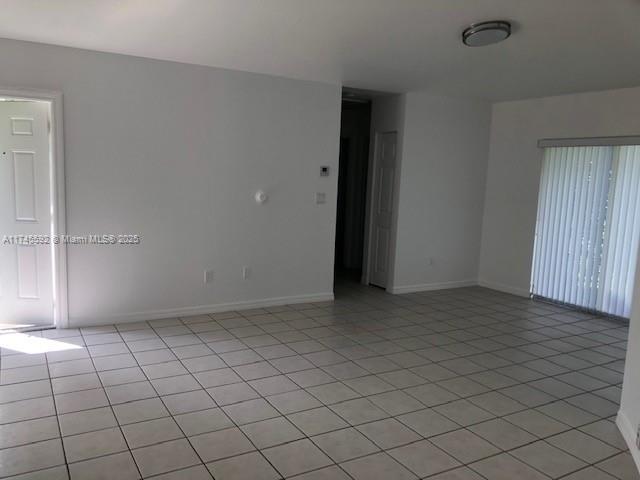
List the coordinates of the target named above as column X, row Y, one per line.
column 201, row 309
column 629, row 435
column 521, row 292
column 425, row 287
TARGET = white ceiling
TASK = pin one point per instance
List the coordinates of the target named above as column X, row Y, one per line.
column 559, row 46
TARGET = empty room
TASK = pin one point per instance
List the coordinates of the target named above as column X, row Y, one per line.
column 320, row 240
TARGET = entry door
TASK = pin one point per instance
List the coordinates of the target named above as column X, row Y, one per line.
column 385, row 169
column 26, row 283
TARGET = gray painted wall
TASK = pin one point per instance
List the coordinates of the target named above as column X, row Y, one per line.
column 175, row 152
column 441, row 192
column 515, row 161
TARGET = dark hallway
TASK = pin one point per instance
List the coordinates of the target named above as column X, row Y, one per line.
column 352, row 188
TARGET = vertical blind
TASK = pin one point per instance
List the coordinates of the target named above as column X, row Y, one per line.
column 588, row 227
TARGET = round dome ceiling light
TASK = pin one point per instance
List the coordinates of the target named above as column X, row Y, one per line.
column 486, row 33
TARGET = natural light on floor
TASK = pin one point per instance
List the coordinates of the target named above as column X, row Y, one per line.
column 25, row 343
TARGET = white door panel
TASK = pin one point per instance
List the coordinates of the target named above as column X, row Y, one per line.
column 24, row 186
column 27, row 271
column 26, row 281
column 384, row 178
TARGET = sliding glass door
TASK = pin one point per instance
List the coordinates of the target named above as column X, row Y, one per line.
column 588, row 227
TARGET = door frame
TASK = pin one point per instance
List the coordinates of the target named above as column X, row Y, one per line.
column 372, row 189
column 57, row 198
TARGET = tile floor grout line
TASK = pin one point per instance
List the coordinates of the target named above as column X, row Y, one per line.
column 55, row 410
column 337, row 333
column 237, row 426
column 170, row 416
column 110, row 406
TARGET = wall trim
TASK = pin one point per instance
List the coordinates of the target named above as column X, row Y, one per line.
column 425, row 287
column 202, row 309
column 588, row 142
column 629, row 435
column 501, row 287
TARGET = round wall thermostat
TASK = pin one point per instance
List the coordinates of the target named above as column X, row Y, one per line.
column 261, row 197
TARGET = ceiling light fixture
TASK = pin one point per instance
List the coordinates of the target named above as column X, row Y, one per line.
column 486, row 33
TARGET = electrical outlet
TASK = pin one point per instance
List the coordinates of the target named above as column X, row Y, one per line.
column 321, row 198
column 208, row 276
column 246, row 273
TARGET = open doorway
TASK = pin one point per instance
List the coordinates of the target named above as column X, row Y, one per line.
column 352, row 186
column 367, row 190
column 32, row 251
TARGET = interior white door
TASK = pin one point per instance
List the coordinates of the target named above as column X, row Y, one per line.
column 26, row 281
column 385, row 169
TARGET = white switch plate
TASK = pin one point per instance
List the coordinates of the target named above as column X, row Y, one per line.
column 321, row 197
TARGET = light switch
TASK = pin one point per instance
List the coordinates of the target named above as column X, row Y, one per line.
column 324, row 171
column 321, row 197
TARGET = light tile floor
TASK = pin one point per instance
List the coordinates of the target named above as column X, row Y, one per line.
column 464, row 384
